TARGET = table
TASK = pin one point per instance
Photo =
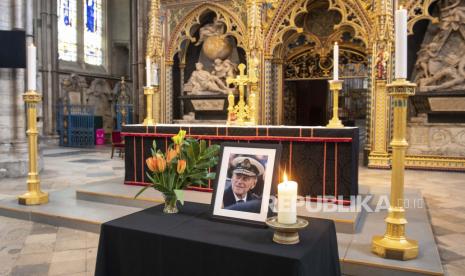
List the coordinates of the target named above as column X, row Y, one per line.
column 325, row 159
column 189, row 243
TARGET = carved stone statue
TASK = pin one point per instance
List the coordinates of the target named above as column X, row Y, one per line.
column 441, row 63
column 224, row 68
column 213, row 29
column 203, row 82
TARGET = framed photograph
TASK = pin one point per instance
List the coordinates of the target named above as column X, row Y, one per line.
column 245, row 175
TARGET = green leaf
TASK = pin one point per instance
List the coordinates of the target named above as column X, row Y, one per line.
column 210, row 176
column 154, row 145
column 180, row 195
column 141, row 191
column 203, row 146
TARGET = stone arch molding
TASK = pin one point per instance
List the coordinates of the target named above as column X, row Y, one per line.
column 182, row 32
column 354, row 14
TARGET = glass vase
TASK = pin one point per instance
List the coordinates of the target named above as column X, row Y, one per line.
column 170, row 204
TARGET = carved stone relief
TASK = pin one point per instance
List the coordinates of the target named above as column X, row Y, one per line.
column 101, row 97
column 440, row 64
column 436, row 139
column 72, row 89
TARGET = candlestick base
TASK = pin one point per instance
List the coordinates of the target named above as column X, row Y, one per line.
column 286, row 233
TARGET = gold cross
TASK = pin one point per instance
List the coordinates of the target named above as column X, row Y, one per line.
column 241, row 110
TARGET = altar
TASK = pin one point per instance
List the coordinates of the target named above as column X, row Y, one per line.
column 324, row 160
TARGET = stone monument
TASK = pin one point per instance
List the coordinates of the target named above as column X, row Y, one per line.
column 206, row 91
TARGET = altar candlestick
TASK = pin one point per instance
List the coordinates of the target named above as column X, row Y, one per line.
column 148, row 70
column 401, row 43
column 287, row 201
column 336, row 62
column 31, row 67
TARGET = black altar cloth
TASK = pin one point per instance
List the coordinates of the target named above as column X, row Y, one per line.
column 324, row 161
column 189, row 243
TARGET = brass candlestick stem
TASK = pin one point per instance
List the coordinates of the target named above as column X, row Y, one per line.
column 34, row 195
column 149, row 91
column 394, row 244
column 335, row 86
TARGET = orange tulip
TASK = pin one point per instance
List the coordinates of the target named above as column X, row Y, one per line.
column 177, row 148
column 151, row 164
column 181, row 166
column 170, row 155
column 161, row 163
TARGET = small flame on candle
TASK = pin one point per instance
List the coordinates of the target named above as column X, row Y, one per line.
column 335, row 43
column 285, row 177
column 401, row 7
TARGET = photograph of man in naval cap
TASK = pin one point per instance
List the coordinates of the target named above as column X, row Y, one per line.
column 239, row 195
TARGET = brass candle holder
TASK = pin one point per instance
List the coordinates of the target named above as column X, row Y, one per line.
column 335, row 86
column 33, row 196
column 286, row 233
column 394, row 244
column 149, row 91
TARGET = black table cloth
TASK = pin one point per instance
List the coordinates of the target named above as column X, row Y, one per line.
column 189, row 243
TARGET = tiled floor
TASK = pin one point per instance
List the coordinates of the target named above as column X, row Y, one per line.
column 28, row 248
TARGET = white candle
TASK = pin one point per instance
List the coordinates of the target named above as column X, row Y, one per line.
column 287, row 202
column 336, row 62
column 31, row 67
column 148, row 70
column 155, row 75
column 401, row 43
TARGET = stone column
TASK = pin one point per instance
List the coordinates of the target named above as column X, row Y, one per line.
column 267, row 94
column 168, row 97
column 13, row 145
column 47, row 42
column 278, row 92
column 381, row 64
column 182, row 66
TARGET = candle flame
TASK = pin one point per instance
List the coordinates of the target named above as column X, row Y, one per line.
column 401, row 7
column 285, row 177
column 335, row 43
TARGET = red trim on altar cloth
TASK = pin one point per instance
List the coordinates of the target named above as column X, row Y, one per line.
column 143, row 161
column 135, row 169
column 251, row 138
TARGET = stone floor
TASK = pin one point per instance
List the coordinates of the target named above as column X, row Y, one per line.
column 28, row 248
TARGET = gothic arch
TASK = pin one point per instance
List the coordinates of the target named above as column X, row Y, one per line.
column 182, row 32
column 353, row 13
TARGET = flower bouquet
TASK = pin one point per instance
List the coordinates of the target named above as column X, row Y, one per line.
column 186, row 162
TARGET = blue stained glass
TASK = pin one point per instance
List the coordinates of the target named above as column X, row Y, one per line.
column 91, row 22
column 67, row 31
column 66, row 13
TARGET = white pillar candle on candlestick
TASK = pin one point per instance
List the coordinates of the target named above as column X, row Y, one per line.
column 287, row 202
column 401, row 43
column 148, row 70
column 31, row 67
column 336, row 62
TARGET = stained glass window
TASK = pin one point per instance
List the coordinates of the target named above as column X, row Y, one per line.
column 67, row 30
column 93, row 19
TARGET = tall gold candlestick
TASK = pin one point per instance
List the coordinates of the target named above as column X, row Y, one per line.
column 394, row 244
column 34, row 195
column 149, row 91
column 335, row 86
